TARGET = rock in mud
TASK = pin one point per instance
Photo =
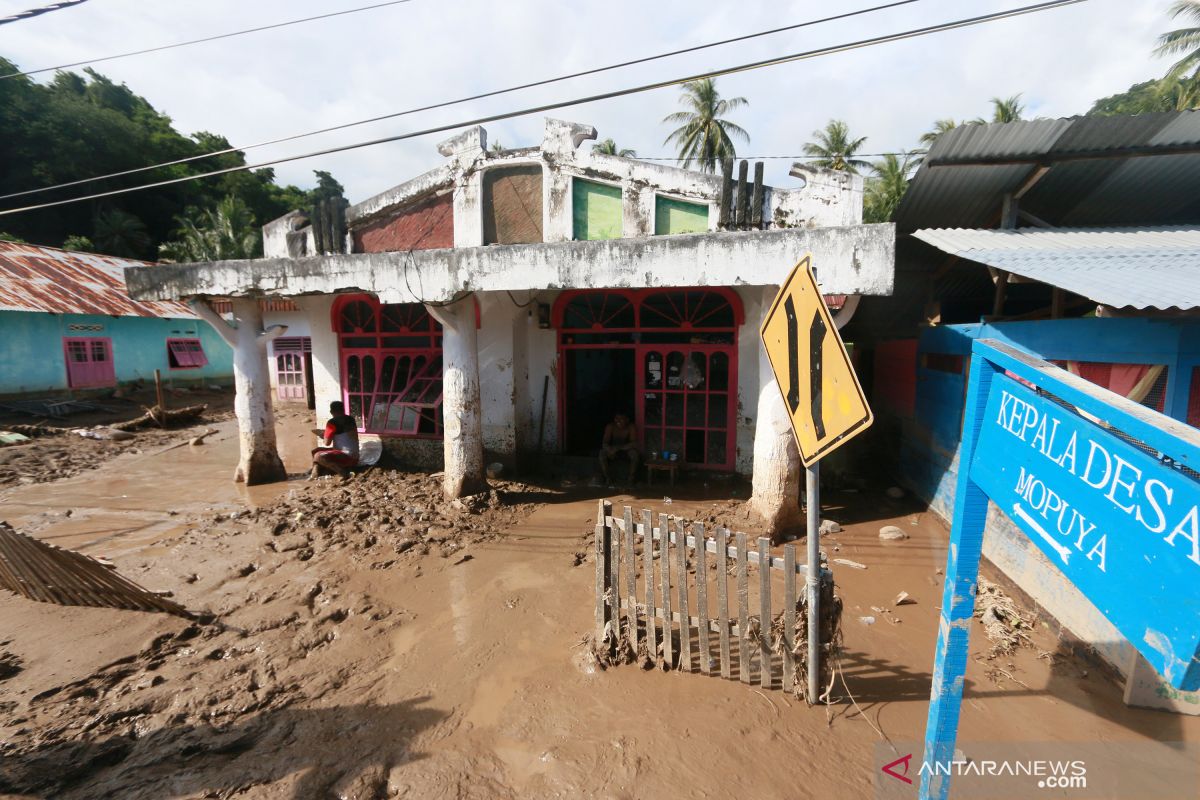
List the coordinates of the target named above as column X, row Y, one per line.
column 892, row 533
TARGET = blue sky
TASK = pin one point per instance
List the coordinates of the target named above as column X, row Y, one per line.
column 288, row 80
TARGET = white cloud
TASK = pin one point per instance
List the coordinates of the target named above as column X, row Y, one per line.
column 266, row 85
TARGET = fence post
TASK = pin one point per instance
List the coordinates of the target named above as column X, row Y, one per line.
column 601, row 570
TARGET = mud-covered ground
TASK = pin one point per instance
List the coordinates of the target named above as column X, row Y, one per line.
column 371, row 640
column 63, row 454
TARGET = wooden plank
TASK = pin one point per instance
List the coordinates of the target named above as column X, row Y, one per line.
column 789, row 617
column 601, row 574
column 631, row 579
column 702, row 599
column 743, row 592
column 743, row 196
column 685, row 628
column 753, row 557
column 648, row 581
column 766, row 673
column 664, row 563
column 723, row 599
column 614, row 583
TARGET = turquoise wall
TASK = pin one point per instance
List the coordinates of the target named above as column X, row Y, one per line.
column 31, row 349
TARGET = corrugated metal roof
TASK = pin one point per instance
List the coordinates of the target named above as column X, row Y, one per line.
column 36, row 278
column 1120, row 267
column 1120, row 190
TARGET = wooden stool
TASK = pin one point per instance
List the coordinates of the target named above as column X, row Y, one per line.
column 669, row 467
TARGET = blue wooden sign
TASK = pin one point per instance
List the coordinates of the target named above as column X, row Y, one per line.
column 1106, row 488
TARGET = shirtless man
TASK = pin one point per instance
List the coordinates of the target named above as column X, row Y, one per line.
column 620, row 441
column 340, row 436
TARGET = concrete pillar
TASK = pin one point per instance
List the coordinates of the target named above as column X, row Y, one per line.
column 462, row 425
column 777, row 468
column 258, row 460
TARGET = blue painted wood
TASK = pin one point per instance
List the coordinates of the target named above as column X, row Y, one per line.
column 1157, row 606
column 958, row 596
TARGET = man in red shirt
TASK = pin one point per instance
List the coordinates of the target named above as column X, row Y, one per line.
column 340, row 452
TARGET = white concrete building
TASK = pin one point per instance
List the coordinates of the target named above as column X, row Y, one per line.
column 591, row 284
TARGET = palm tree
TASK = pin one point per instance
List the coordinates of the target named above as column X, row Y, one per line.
column 1004, row 109
column 886, row 187
column 1183, row 40
column 939, row 127
column 223, row 233
column 704, row 137
column 835, row 148
column 609, row 148
column 119, row 233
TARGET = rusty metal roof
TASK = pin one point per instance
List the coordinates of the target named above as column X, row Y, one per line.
column 36, row 278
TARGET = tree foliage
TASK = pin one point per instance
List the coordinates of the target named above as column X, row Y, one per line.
column 609, row 147
column 835, row 148
column 1185, row 41
column 222, row 233
column 886, row 186
column 704, row 137
column 80, row 125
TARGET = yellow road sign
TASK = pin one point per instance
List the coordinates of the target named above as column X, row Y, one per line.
column 820, row 390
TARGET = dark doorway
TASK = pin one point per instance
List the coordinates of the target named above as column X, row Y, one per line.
column 308, row 381
column 599, row 383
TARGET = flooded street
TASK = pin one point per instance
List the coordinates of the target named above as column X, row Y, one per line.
column 394, row 647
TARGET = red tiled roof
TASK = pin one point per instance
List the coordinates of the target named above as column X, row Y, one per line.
column 36, row 278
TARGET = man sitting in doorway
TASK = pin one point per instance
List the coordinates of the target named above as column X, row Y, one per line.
column 340, row 453
column 620, row 442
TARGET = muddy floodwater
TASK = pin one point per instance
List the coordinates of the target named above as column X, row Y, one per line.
column 372, row 640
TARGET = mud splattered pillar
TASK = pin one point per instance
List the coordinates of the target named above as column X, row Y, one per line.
column 258, row 460
column 777, row 469
column 462, row 425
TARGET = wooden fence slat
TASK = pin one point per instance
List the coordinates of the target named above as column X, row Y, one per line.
column 702, row 599
column 766, row 673
column 753, row 556
column 685, row 628
column 789, row 617
column 648, row 581
column 723, row 599
column 743, row 593
column 614, row 582
column 664, row 556
column 601, row 573
column 631, row 579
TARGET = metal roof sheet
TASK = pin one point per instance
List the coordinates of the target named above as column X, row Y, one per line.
column 36, row 278
column 1120, row 189
column 1120, row 267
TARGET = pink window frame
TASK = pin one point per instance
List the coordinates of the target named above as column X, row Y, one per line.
column 185, row 356
column 109, row 377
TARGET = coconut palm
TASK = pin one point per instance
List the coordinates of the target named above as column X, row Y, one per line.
column 1183, row 40
column 609, row 148
column 223, row 233
column 939, row 127
column 886, row 186
column 119, row 233
column 704, row 137
column 835, row 148
column 1004, row 109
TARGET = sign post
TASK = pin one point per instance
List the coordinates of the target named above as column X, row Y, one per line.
column 825, row 404
column 1104, row 487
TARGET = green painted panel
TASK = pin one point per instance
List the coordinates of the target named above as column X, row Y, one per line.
column 678, row 216
column 597, row 210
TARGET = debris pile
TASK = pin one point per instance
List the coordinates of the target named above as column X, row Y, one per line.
column 1005, row 624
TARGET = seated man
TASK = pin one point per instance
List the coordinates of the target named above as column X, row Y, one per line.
column 340, row 453
column 620, row 442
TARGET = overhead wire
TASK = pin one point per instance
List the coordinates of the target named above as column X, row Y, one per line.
column 201, row 40
column 37, row 12
column 769, row 62
column 458, row 101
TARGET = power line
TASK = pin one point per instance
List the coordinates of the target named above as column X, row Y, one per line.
column 445, row 104
column 808, row 54
column 199, row 41
column 37, row 12
column 789, row 158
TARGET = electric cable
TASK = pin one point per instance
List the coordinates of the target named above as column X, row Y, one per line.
column 481, row 96
column 37, row 12
column 190, row 42
column 804, row 55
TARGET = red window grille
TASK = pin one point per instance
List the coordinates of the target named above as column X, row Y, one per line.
column 89, row 362
column 391, row 366
column 685, row 345
column 185, row 354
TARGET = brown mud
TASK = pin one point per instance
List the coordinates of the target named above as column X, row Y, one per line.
column 372, row 640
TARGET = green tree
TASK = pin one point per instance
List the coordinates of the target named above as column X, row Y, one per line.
column 704, row 137
column 226, row 232
column 1166, row 94
column 1182, row 40
column 81, row 244
column 835, row 148
column 609, row 148
column 885, row 187
column 941, row 126
column 1004, row 109
column 120, row 233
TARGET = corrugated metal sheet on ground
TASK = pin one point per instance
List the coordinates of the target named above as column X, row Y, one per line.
column 35, row 278
column 40, row 571
column 1119, row 267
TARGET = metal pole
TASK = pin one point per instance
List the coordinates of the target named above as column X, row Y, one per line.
column 812, row 484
